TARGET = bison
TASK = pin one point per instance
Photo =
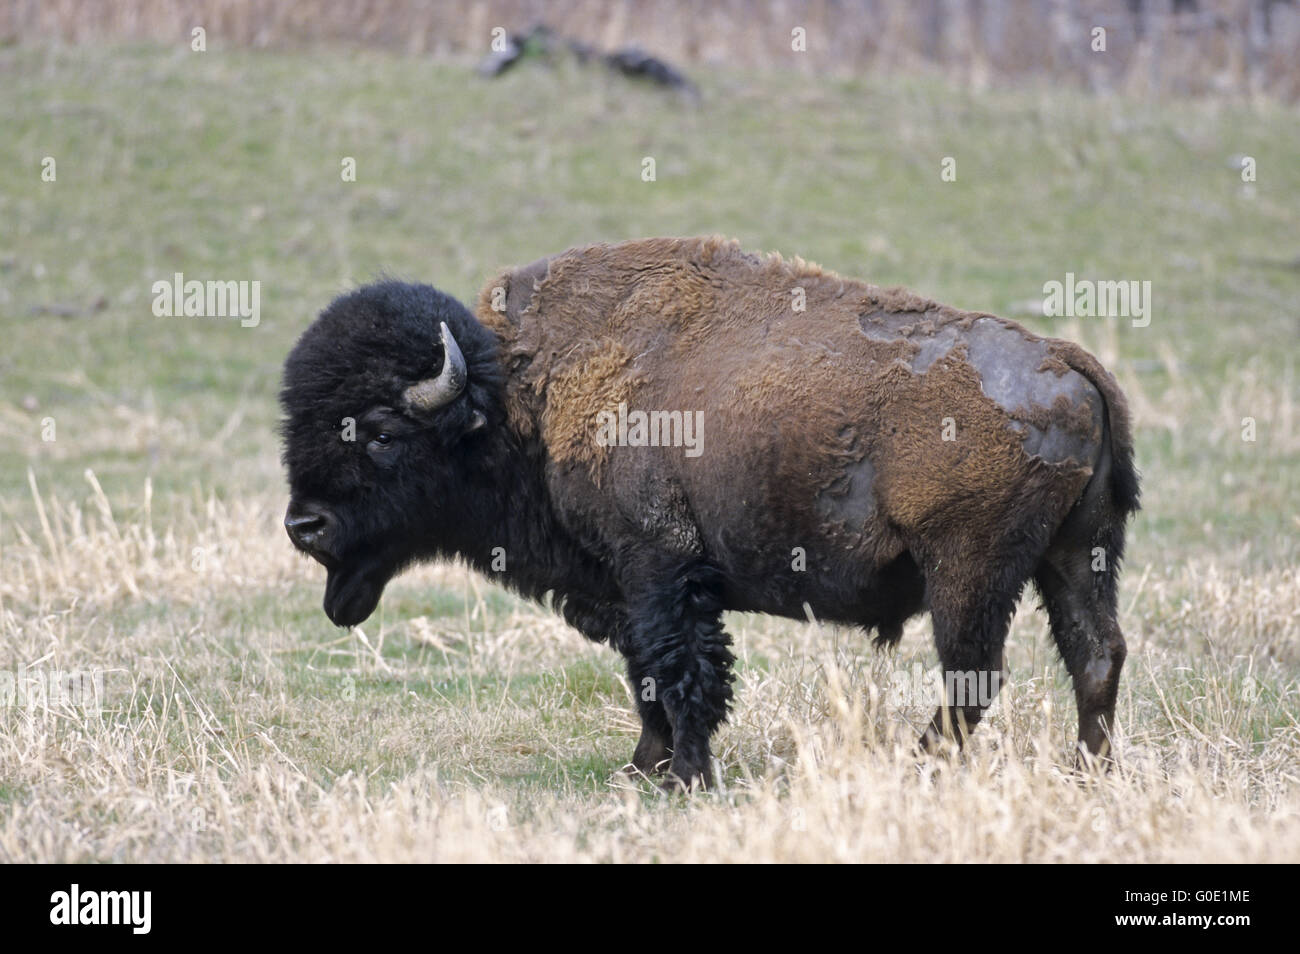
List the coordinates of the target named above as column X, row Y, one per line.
column 656, row 431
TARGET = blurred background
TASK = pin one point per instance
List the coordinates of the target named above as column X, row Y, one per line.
column 1180, row 46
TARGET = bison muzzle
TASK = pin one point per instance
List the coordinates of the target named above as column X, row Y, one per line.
column 859, row 453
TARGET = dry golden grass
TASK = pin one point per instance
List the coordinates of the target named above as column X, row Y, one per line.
column 206, row 749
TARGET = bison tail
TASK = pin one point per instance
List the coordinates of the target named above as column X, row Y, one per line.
column 1124, row 489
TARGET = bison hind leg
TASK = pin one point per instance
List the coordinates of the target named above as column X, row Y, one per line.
column 1078, row 581
column 973, row 589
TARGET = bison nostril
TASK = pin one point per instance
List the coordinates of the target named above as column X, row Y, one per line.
column 306, row 529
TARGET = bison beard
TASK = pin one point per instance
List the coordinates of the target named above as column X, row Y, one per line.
column 351, row 594
column 870, row 455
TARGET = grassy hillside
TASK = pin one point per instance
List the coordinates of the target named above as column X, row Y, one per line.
column 239, row 724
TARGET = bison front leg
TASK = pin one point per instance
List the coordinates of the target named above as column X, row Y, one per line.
column 604, row 621
column 681, row 653
column 654, row 748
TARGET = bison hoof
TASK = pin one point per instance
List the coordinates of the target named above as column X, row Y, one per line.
column 687, row 779
column 635, row 770
column 1090, row 764
column 651, row 756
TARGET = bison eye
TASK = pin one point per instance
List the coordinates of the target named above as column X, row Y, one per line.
column 380, row 443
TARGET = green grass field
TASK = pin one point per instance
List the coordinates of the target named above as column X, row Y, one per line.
column 238, row 724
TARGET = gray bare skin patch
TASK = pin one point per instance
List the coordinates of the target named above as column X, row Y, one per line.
column 849, row 500
column 1058, row 416
column 934, row 347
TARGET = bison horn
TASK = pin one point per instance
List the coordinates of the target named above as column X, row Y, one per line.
column 433, row 393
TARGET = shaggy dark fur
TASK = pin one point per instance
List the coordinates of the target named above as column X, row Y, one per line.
column 865, row 457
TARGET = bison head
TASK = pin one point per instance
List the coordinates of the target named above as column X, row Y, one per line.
column 388, row 399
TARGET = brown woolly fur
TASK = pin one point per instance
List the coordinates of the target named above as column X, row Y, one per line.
column 704, row 317
column 855, row 453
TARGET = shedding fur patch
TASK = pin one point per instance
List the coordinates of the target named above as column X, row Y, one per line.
column 575, row 393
